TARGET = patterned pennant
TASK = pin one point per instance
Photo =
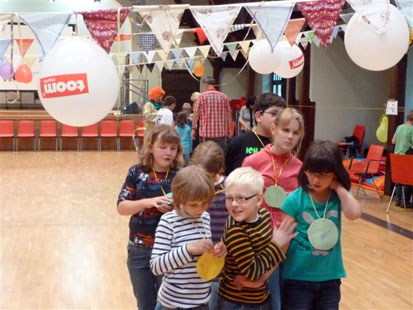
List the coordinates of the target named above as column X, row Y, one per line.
column 272, row 18
column 204, row 50
column 163, row 20
column 103, row 25
column 322, row 16
column 24, row 45
column 293, row 29
column 4, row 44
column 406, row 6
column 147, row 40
column 47, row 27
column 216, row 21
column 375, row 12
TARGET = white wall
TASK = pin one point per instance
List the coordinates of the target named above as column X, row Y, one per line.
column 345, row 94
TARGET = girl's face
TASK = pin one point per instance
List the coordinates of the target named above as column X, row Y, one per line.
column 319, row 182
column 195, row 209
column 286, row 138
column 164, row 154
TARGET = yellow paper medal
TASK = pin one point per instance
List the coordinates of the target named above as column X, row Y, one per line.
column 209, row 266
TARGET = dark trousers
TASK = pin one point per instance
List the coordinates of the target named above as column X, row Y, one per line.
column 221, row 141
column 407, row 193
column 304, row 295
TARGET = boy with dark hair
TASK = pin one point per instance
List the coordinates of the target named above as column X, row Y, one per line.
column 267, row 107
column 165, row 114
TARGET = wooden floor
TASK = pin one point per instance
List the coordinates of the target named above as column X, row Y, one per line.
column 63, row 245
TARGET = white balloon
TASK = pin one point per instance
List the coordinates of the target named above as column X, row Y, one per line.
column 375, row 51
column 78, row 82
column 261, row 59
column 291, row 60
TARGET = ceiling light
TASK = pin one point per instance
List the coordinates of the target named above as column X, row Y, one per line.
column 51, row 1
column 97, row 1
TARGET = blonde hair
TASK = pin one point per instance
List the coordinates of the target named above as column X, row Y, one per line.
column 209, row 156
column 247, row 177
column 194, row 96
column 191, row 183
column 165, row 134
column 186, row 106
column 284, row 117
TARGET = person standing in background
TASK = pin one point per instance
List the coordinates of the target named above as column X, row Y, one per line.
column 150, row 109
column 246, row 115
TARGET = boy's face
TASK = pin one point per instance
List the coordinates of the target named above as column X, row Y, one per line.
column 195, row 209
column 242, row 204
column 266, row 118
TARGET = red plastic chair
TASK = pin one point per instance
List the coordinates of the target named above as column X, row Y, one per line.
column 399, row 164
column 108, row 129
column 140, row 128
column 7, row 130
column 367, row 168
column 90, row 131
column 25, row 129
column 48, row 129
column 69, row 132
column 359, row 132
column 126, row 130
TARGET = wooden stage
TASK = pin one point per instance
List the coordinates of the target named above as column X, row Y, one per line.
column 63, row 245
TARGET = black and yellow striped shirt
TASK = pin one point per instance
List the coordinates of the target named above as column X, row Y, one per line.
column 251, row 253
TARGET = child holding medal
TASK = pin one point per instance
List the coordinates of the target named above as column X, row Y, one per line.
column 314, row 266
column 144, row 198
column 184, row 252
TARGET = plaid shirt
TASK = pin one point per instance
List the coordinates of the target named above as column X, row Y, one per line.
column 213, row 108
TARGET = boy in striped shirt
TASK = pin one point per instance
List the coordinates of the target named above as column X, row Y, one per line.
column 181, row 237
column 253, row 248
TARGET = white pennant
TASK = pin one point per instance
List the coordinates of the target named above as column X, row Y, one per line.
column 245, row 45
column 169, row 63
column 191, row 51
column 149, row 55
column 159, row 65
column 234, row 55
column 406, row 6
column 163, row 20
column 204, row 50
column 272, row 18
column 376, row 12
column 4, row 19
column 162, row 54
column 216, row 21
column 178, row 37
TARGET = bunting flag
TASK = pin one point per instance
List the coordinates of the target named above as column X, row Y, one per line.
column 47, row 27
column 322, row 16
column 136, row 57
column 24, row 45
column 162, row 54
column 147, row 40
column 191, row 63
column 204, row 50
column 160, row 65
column 293, row 29
column 29, row 60
column 176, row 53
column 346, row 17
column 191, row 51
column 245, row 46
column 231, row 46
column 224, row 56
column 140, row 67
column 103, row 25
column 4, row 19
column 150, row 67
column 234, row 54
column 163, row 20
column 201, row 35
column 169, row 63
column 178, row 37
column 149, row 55
column 374, row 12
column 4, row 44
column 272, row 18
column 259, row 35
column 406, row 6
column 216, row 21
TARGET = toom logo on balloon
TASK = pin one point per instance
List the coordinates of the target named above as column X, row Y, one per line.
column 295, row 63
column 64, row 85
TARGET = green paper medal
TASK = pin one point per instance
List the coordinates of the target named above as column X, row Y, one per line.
column 274, row 195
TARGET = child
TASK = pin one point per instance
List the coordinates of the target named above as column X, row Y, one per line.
column 210, row 156
column 143, row 198
column 280, row 169
column 181, row 237
column 267, row 107
column 165, row 114
column 312, row 272
column 246, row 115
column 253, row 247
column 184, row 132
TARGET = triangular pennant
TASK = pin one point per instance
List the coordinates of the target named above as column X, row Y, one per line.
column 375, row 12
column 47, row 27
column 216, row 20
column 4, row 19
column 322, row 16
column 150, row 67
column 121, row 58
column 191, row 63
column 4, row 44
column 335, row 33
column 191, row 51
column 234, row 55
column 272, row 18
column 103, row 25
column 176, row 53
column 304, row 42
column 224, row 56
column 180, row 63
column 162, row 54
column 147, row 40
column 201, row 35
column 178, row 37
column 406, row 6
column 136, row 57
column 343, row 27
column 163, row 20
column 259, row 35
column 231, row 46
column 149, row 55
column 140, row 67
column 204, row 50
column 245, row 45
column 169, row 63
column 298, row 38
column 309, row 36
column 24, row 45
column 293, row 29
column 346, row 17
column 159, row 65
column 29, row 60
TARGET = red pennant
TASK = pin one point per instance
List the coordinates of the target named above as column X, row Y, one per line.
column 24, row 45
column 322, row 16
column 293, row 29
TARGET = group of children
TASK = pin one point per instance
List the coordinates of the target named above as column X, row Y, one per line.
column 273, row 209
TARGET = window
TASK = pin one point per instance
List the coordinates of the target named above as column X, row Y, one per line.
column 279, row 85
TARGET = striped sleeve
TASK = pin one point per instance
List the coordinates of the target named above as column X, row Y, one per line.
column 165, row 258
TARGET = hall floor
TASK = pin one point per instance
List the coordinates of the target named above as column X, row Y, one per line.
column 63, row 245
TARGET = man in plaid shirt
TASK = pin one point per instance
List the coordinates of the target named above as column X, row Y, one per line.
column 214, row 113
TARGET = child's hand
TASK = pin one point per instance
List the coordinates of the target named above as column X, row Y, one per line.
column 200, row 247
column 240, row 282
column 162, row 203
column 220, row 250
column 334, row 184
column 284, row 234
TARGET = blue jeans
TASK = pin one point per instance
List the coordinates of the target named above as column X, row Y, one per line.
column 275, row 289
column 145, row 284
column 304, row 295
column 212, row 303
column 225, row 304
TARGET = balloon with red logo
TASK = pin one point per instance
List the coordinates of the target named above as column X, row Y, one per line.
column 78, row 82
column 291, row 60
column 23, row 74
